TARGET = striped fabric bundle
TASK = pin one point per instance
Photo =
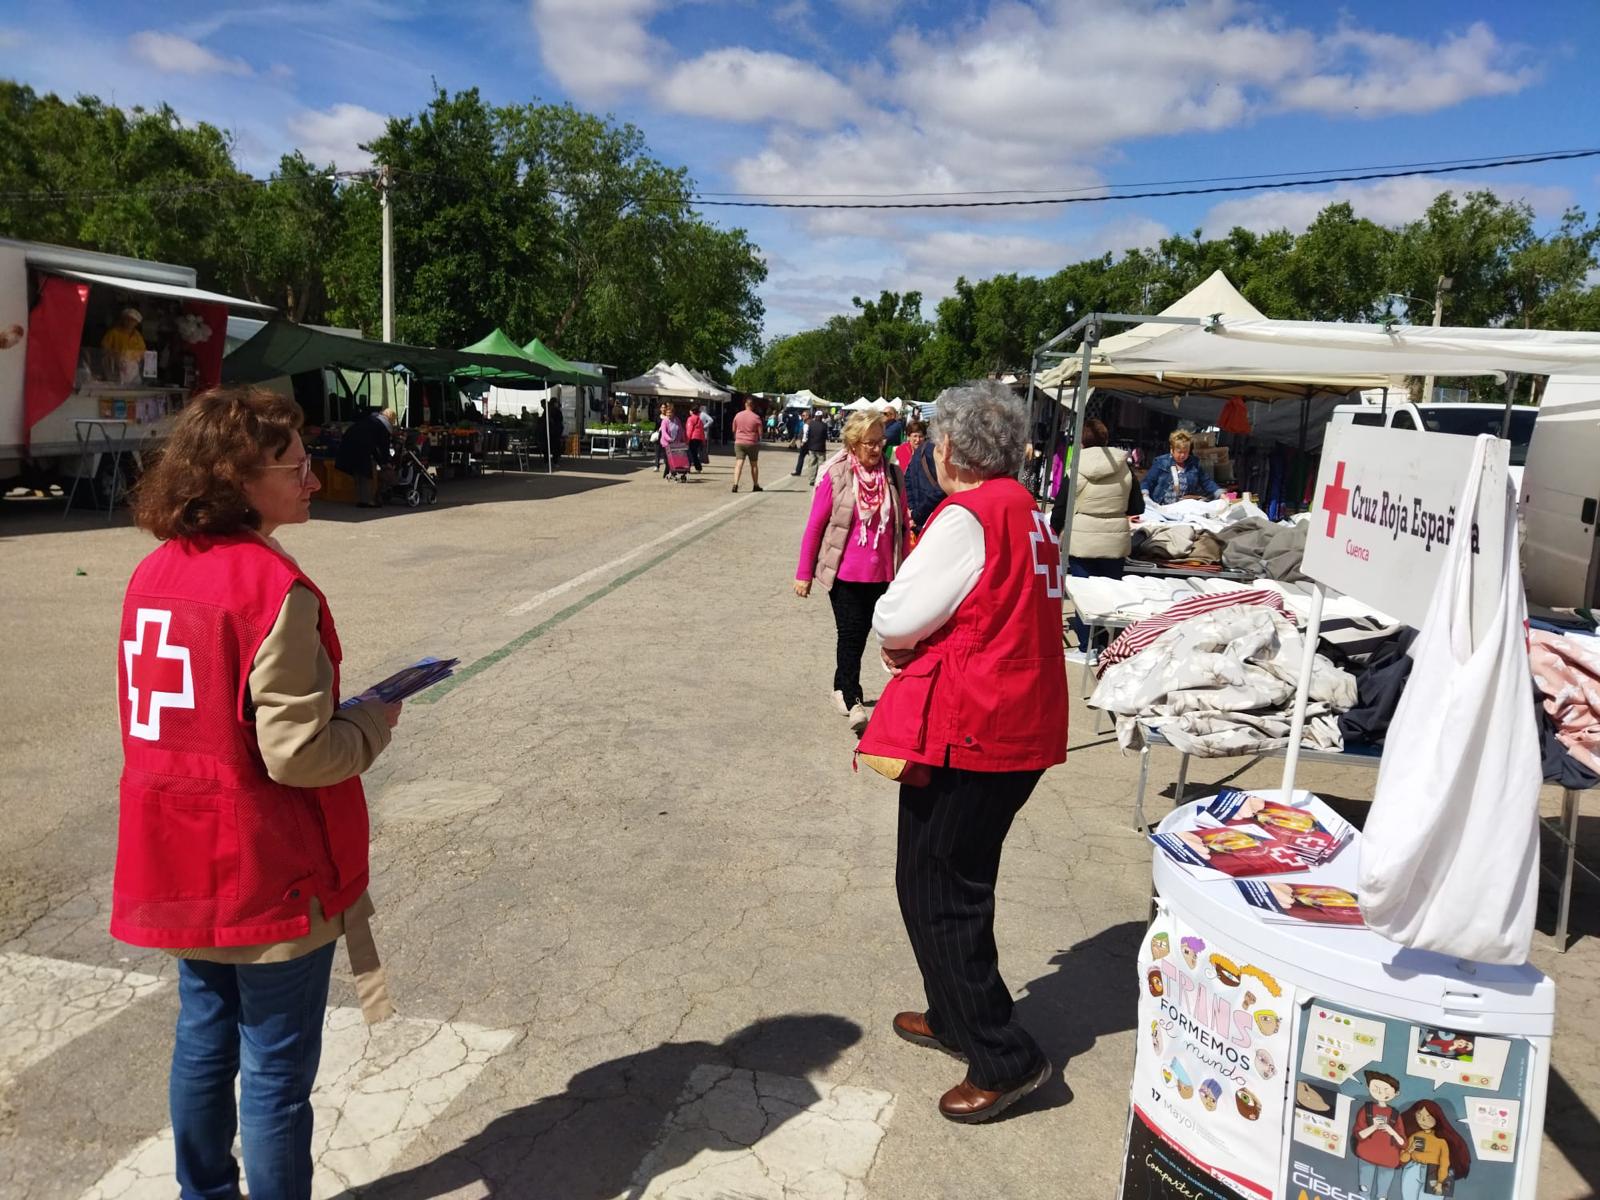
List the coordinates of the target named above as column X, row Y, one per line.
column 1136, row 637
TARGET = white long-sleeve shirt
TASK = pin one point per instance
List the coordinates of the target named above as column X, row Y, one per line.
column 936, row 577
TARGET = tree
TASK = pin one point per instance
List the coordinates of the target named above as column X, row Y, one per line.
column 889, row 339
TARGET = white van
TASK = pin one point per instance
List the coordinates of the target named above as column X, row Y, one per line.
column 1468, row 419
column 1560, row 494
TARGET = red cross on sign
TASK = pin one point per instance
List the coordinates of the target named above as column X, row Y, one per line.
column 159, row 674
column 1336, row 499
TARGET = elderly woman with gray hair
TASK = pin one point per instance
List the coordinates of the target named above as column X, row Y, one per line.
column 975, row 713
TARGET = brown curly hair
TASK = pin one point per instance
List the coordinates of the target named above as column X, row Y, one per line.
column 197, row 484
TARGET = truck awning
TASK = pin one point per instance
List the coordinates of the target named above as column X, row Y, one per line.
column 144, row 287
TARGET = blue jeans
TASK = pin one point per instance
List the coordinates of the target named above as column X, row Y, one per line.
column 262, row 1022
column 1086, row 568
column 1376, row 1181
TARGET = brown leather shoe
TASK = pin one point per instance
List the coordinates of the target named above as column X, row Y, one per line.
column 972, row 1105
column 913, row 1027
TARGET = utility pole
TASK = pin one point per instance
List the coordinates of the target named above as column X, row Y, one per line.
column 1439, row 290
column 384, row 181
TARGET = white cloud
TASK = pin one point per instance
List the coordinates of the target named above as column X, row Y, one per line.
column 179, row 55
column 736, row 84
column 335, row 135
column 597, row 49
column 1388, row 202
column 1401, row 75
column 10, row 39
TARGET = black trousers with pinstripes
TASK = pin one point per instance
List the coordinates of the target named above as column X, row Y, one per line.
column 951, row 834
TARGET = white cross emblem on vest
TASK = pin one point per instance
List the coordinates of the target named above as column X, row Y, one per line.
column 1050, row 570
column 159, row 675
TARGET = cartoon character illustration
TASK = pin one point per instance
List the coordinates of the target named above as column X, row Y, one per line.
column 1310, row 1098
column 1265, row 1067
column 1435, row 1153
column 1378, row 1137
column 1160, row 946
column 1180, row 1080
column 1155, row 1036
column 1227, row 971
column 1166, row 1072
column 1267, row 1022
column 1192, row 948
column 1210, row 1090
column 1248, row 1000
column 1247, row 1104
column 1157, row 985
column 1444, row 1043
column 1267, row 981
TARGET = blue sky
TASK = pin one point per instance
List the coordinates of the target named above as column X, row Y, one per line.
column 879, row 96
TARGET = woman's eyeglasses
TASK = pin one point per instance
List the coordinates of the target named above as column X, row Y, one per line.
column 303, row 467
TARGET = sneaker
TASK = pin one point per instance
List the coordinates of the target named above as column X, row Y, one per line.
column 858, row 718
column 838, row 702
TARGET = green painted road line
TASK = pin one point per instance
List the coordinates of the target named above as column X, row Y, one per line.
column 440, row 690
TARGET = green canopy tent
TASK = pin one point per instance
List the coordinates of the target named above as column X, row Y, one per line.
column 550, row 368
column 284, row 348
column 561, row 368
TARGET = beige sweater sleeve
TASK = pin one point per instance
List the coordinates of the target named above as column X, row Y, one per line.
column 304, row 741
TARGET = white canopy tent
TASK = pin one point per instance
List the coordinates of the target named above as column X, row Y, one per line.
column 860, row 405
column 1260, row 348
column 806, row 398
column 672, row 381
column 1114, row 362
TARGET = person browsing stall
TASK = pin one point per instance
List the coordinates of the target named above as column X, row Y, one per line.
column 975, row 713
column 1105, row 498
column 854, row 542
column 242, row 844
column 1176, row 474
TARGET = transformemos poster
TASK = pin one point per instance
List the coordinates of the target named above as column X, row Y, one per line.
column 1214, row 1041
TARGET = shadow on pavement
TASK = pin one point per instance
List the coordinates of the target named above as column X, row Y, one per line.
column 589, row 1142
column 1093, row 992
column 1573, row 1127
column 28, row 517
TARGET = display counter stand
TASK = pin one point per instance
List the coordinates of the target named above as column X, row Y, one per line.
column 1353, row 1000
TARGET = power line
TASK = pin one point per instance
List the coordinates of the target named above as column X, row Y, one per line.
column 1271, row 185
column 1527, row 156
column 1108, row 193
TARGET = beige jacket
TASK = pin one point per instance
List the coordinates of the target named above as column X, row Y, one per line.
column 1100, row 507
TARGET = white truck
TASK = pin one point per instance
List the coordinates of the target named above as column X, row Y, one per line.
column 1559, row 496
column 1436, row 417
column 70, row 408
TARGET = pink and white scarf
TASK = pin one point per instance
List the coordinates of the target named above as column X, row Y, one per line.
column 873, row 504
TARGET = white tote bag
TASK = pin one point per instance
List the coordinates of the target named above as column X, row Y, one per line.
column 1450, row 851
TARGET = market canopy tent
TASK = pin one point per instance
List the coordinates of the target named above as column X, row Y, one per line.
column 560, row 368
column 1115, row 365
column 284, row 348
column 1256, row 349
column 806, row 398
column 672, row 381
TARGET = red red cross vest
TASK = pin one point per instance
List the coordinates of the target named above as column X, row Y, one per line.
column 211, row 851
column 989, row 692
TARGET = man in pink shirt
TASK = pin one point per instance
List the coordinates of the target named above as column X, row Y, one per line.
column 747, row 445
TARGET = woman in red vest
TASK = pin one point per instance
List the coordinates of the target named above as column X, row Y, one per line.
column 242, row 842
column 971, row 631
